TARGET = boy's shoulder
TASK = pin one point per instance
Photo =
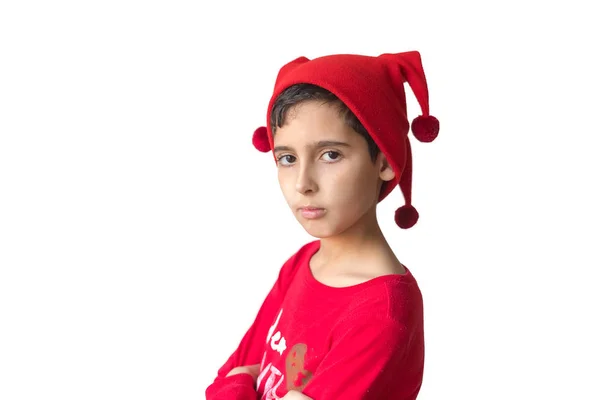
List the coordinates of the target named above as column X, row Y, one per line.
column 368, row 297
column 303, row 254
column 391, row 295
column 297, row 259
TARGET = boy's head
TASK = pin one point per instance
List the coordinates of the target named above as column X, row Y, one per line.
column 329, row 168
column 359, row 103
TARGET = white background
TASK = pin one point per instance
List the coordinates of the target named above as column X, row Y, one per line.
column 140, row 230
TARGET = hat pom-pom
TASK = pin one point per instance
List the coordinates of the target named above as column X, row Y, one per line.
column 260, row 139
column 406, row 216
column 425, row 128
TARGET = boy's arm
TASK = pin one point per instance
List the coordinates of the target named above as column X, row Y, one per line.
column 235, row 387
column 370, row 361
column 251, row 347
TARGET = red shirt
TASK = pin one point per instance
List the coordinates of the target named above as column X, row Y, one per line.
column 357, row 342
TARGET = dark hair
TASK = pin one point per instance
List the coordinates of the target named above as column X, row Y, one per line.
column 303, row 92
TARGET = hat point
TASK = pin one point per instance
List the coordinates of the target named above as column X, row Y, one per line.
column 260, row 139
column 425, row 128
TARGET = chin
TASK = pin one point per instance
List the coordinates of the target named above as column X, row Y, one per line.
column 318, row 234
column 320, row 229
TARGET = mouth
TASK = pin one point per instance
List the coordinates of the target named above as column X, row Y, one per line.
column 310, row 212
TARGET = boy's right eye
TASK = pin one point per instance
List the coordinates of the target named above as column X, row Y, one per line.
column 286, row 159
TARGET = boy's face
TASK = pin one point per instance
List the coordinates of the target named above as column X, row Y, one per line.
column 325, row 171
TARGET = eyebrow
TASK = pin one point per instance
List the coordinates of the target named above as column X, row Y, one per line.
column 317, row 145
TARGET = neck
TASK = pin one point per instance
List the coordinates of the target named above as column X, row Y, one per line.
column 357, row 241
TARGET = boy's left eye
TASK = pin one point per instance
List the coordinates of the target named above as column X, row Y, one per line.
column 332, row 155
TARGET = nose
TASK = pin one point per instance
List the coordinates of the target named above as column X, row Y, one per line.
column 305, row 183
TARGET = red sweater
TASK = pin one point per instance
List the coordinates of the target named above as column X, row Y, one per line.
column 358, row 342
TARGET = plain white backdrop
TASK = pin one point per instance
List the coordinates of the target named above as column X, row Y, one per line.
column 140, row 230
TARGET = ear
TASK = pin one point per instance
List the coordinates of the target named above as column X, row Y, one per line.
column 386, row 172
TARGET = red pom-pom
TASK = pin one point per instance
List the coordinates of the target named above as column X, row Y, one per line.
column 406, row 216
column 425, row 128
column 260, row 139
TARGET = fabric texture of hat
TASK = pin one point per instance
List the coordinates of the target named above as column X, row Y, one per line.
column 373, row 89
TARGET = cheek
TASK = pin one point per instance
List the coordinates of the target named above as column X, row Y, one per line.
column 353, row 184
column 286, row 181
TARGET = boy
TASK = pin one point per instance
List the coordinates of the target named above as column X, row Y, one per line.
column 344, row 319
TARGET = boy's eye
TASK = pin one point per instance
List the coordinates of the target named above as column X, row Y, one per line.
column 286, row 159
column 331, row 155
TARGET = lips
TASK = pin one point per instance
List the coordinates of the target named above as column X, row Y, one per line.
column 311, row 212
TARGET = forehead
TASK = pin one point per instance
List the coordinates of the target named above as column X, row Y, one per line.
column 313, row 120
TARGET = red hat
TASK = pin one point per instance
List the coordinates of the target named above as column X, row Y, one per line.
column 373, row 89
